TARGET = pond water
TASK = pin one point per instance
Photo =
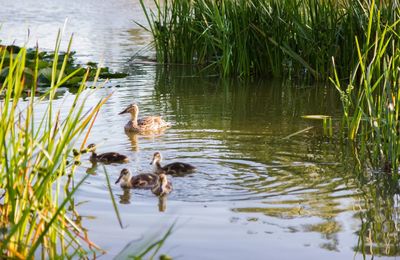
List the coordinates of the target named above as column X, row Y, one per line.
column 260, row 192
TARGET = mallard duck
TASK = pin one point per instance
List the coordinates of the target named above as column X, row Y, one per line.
column 110, row 157
column 175, row 168
column 145, row 124
column 163, row 186
column 141, row 181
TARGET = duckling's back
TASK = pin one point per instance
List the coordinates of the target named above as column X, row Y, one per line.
column 144, row 181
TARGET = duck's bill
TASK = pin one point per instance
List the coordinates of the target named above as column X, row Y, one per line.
column 123, row 112
column 119, row 178
column 152, row 161
column 90, row 148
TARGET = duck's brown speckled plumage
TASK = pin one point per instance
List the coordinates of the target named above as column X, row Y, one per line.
column 140, row 181
column 110, row 157
column 175, row 168
column 163, row 186
column 145, row 124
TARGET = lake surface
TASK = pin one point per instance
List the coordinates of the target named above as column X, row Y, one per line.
column 261, row 191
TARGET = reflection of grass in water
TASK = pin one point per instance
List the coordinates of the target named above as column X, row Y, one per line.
column 326, row 228
column 376, row 205
column 147, row 249
column 379, row 214
column 36, row 159
column 293, row 212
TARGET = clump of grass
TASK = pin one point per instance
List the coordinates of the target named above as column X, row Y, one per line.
column 371, row 98
column 36, row 159
column 295, row 38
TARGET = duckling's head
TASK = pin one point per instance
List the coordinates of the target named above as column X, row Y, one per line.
column 132, row 109
column 156, row 158
column 125, row 175
column 91, row 147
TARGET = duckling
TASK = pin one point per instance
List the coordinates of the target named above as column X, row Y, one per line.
column 163, row 186
column 145, row 124
column 141, row 181
column 110, row 157
column 175, row 168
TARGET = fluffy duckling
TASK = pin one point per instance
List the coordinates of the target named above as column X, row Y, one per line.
column 141, row 181
column 175, row 168
column 110, row 157
column 163, row 186
column 145, row 124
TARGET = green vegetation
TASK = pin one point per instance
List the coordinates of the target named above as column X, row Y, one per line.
column 295, row 38
column 43, row 61
column 299, row 39
column 37, row 161
column 371, row 97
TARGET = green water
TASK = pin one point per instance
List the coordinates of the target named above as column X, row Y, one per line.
column 260, row 192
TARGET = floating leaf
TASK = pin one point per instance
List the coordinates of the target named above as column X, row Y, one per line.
column 316, row 117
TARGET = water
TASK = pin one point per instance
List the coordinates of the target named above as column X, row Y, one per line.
column 257, row 193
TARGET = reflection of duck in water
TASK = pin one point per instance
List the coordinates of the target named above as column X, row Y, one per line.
column 145, row 124
column 141, row 181
column 133, row 138
column 175, row 168
column 110, row 157
column 162, row 203
column 92, row 170
column 125, row 198
column 163, row 187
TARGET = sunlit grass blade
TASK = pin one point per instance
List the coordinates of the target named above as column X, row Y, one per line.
column 112, row 198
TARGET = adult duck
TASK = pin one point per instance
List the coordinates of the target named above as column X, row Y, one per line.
column 163, row 187
column 145, row 124
column 110, row 157
column 140, row 181
column 175, row 168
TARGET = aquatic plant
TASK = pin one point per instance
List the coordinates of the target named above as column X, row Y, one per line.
column 45, row 61
column 37, row 161
column 295, row 38
column 371, row 96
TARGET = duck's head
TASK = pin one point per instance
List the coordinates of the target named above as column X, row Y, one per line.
column 125, row 175
column 156, row 158
column 132, row 109
column 91, row 147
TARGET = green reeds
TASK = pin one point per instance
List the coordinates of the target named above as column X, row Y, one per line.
column 36, row 160
column 294, row 38
column 371, row 98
